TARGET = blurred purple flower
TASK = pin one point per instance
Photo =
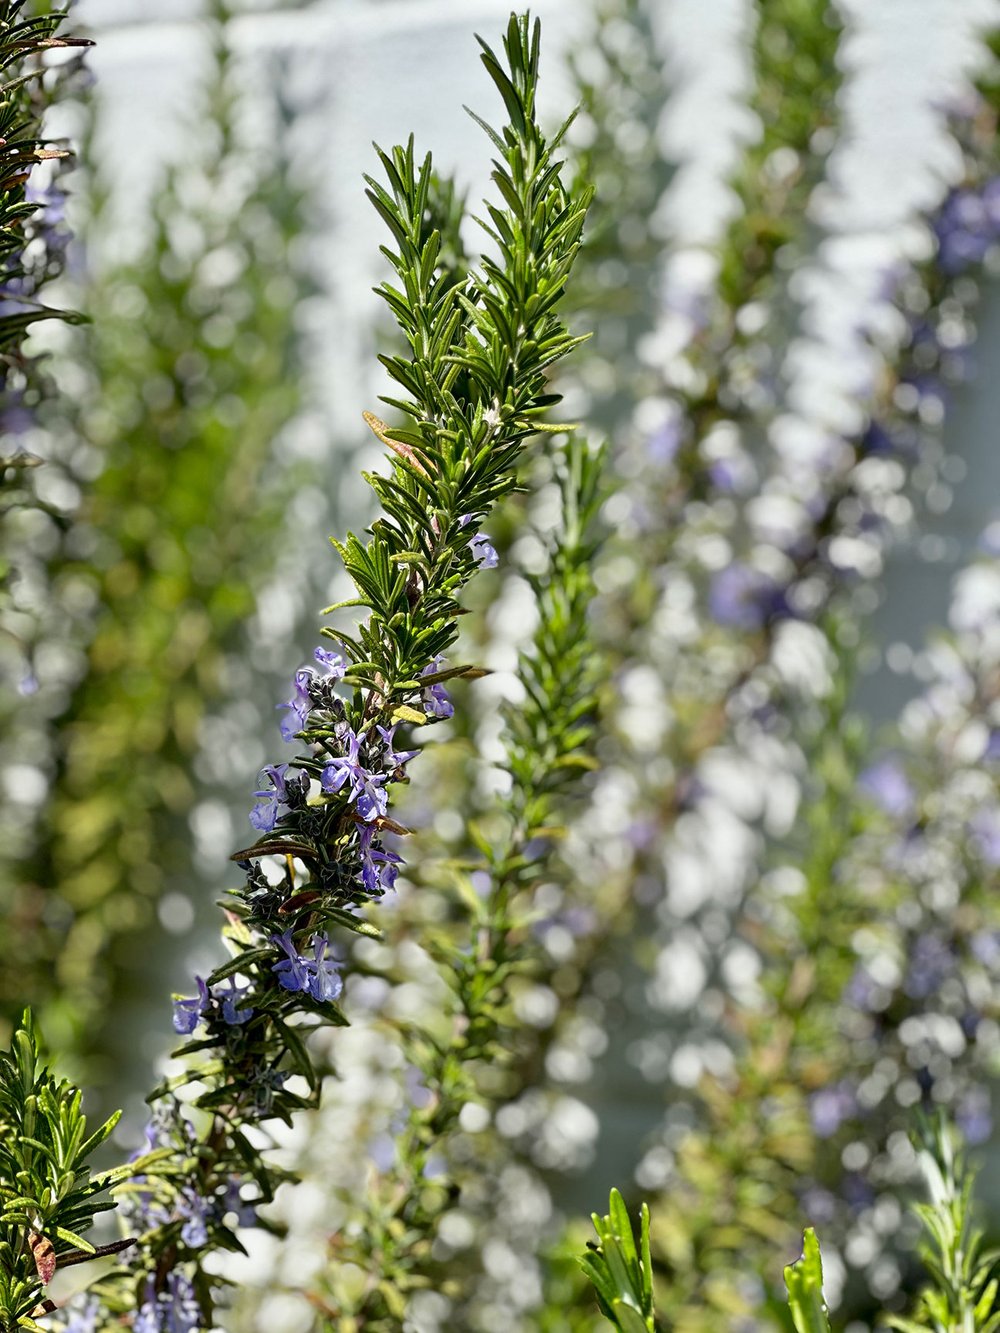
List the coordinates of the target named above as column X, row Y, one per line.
column 973, row 1116
column 382, row 1151
column 862, row 991
column 233, row 1202
column 745, row 598
column 663, row 443
column 885, row 783
column 830, row 1107
column 84, row 1314
column 931, row 961
column 985, row 829
column 985, row 947
column 196, row 1212
column 229, row 1000
column 174, row 1310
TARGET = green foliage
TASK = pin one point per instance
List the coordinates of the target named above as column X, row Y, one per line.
column 622, row 1276
column 804, row 1280
column 961, row 1294
column 479, row 353
column 48, row 1195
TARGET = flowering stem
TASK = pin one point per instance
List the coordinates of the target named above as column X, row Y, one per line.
column 481, row 346
column 547, row 747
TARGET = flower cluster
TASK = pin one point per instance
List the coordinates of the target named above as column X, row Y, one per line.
column 222, row 1003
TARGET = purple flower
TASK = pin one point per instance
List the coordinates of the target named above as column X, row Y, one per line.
column 436, row 700
column 264, row 817
column 174, row 1310
column 333, row 663
column 229, row 1000
column 316, row 976
column 189, row 1013
column 378, row 866
column 365, row 788
column 480, row 546
column 966, row 228
column 301, row 702
column 292, row 972
column 299, row 705
column 325, row 982
column 393, row 759
column 887, row 785
column 744, row 597
column 484, row 551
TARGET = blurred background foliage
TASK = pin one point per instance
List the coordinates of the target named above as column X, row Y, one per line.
column 181, row 387
column 767, row 934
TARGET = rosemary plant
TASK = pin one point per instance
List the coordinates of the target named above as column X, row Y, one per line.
column 50, row 1198
column 961, row 1296
column 479, row 351
column 486, row 952
column 621, row 1275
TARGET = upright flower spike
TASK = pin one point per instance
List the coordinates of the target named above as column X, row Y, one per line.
column 482, row 342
